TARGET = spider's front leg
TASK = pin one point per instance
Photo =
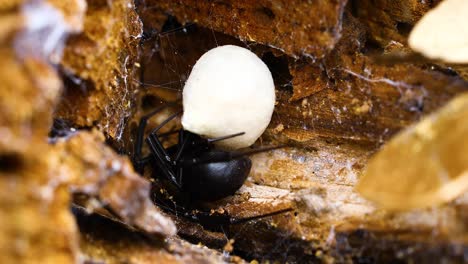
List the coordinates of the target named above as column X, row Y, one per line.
column 137, row 159
column 161, row 157
column 140, row 162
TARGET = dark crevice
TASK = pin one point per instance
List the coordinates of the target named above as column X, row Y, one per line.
column 105, row 230
column 442, row 69
column 149, row 102
column 61, row 128
column 404, row 28
column 266, row 13
column 372, row 48
column 171, row 24
column 353, row 7
column 10, row 162
column 279, row 69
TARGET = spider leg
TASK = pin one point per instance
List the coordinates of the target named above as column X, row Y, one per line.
column 212, row 140
column 154, row 136
column 210, row 219
column 163, row 137
column 162, row 158
column 141, row 131
column 184, row 141
column 235, row 221
column 166, row 134
column 237, row 154
column 141, row 163
column 224, row 156
column 138, row 161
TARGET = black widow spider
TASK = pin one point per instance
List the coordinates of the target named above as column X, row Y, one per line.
column 193, row 165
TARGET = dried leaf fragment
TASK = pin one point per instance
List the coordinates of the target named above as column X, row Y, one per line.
column 424, row 165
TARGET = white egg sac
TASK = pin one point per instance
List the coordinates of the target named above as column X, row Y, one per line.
column 230, row 90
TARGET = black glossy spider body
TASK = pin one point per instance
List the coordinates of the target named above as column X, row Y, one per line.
column 194, row 165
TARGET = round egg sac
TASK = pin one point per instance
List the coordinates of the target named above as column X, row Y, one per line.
column 230, row 90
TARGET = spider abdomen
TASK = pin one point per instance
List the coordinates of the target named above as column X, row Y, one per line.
column 216, row 180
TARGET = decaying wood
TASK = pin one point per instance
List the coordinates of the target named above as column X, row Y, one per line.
column 35, row 223
column 99, row 68
column 390, row 21
column 336, row 107
column 296, row 27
